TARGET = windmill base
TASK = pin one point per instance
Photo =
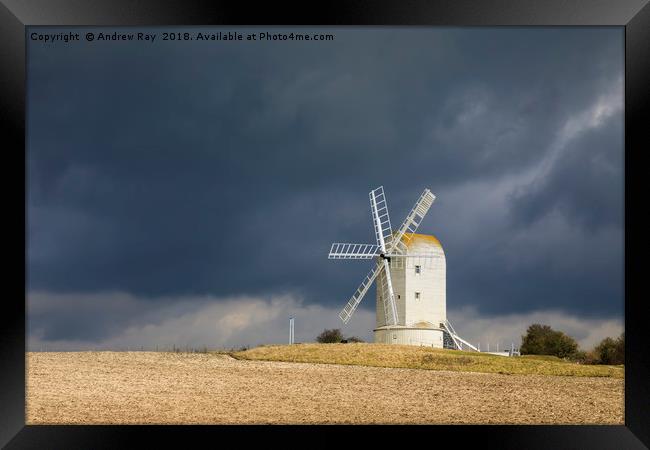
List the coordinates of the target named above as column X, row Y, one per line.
column 427, row 337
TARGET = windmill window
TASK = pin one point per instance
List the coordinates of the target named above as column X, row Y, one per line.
column 417, row 296
column 417, row 269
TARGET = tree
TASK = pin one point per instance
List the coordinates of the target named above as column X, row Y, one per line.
column 611, row 351
column 354, row 339
column 330, row 336
column 534, row 341
column 620, row 349
column 543, row 340
column 562, row 346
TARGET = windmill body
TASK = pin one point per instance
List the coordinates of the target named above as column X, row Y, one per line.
column 409, row 270
column 419, row 286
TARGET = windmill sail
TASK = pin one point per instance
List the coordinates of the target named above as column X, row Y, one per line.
column 380, row 218
column 404, row 235
column 384, row 235
column 353, row 251
column 346, row 312
column 387, row 244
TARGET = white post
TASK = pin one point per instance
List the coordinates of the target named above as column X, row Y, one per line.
column 488, row 346
column 290, row 330
column 497, row 346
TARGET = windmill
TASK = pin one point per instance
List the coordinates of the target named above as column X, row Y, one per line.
column 410, row 271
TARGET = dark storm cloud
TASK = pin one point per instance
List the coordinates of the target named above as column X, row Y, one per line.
column 585, row 184
column 228, row 168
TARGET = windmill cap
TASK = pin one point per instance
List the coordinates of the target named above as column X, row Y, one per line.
column 421, row 238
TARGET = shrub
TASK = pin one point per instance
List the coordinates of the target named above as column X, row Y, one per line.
column 543, row 340
column 582, row 357
column 354, row 339
column 592, row 358
column 330, row 336
column 579, row 356
column 611, row 351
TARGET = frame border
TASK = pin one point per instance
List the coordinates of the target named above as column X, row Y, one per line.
column 633, row 15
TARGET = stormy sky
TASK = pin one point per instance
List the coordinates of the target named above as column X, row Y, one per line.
column 186, row 193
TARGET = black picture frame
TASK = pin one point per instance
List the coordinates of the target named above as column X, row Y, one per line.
column 633, row 15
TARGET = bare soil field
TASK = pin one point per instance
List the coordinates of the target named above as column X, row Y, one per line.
column 209, row 388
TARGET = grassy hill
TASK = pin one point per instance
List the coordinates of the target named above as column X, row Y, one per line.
column 411, row 357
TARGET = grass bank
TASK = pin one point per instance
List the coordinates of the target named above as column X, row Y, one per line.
column 411, row 357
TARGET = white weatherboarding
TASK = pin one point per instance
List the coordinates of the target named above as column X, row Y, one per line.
column 410, row 270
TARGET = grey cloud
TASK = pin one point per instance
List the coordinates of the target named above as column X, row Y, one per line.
column 216, row 323
column 180, row 322
column 585, row 184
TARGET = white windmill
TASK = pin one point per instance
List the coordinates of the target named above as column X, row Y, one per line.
column 410, row 270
